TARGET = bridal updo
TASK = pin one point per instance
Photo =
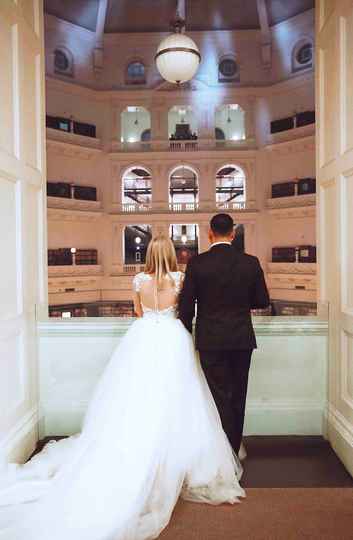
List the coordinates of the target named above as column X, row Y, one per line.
column 161, row 258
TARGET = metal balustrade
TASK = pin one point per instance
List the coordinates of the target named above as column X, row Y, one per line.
column 131, row 208
column 231, row 206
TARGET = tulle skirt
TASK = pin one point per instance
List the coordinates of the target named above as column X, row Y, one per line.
column 150, row 434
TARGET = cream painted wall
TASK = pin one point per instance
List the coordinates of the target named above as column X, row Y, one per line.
column 23, row 287
column 120, row 49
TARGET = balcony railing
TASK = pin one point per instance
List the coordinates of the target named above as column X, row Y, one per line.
column 231, row 205
column 182, row 145
column 183, row 207
column 135, row 208
column 158, row 208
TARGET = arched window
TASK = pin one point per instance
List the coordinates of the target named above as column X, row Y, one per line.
column 230, row 187
column 230, row 121
column 135, row 73
column 136, row 240
column 183, row 188
column 63, row 62
column 137, row 189
column 302, row 55
column 228, row 70
column 182, row 123
column 135, row 123
column 186, row 241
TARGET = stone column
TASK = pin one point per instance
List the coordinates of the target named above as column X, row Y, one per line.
column 249, row 119
column 204, row 243
column 117, row 245
column 207, row 187
column 159, row 123
column 206, row 121
column 160, row 186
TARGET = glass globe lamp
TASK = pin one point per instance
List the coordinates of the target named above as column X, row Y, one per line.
column 177, row 58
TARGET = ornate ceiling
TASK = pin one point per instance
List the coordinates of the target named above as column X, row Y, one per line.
column 155, row 15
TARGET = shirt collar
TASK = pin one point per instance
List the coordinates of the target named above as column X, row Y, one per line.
column 218, row 243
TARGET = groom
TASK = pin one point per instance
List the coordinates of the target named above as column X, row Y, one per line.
column 226, row 285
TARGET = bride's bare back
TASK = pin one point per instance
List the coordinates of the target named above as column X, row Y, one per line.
column 152, row 297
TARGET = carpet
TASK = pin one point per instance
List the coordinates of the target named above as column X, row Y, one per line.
column 268, row 514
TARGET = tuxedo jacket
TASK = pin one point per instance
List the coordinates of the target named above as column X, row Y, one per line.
column 225, row 284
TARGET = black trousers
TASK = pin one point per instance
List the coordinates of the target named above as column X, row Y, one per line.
column 227, row 376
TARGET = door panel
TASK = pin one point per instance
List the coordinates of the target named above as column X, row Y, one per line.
column 335, row 179
column 22, row 220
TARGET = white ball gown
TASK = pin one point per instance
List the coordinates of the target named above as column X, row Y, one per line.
column 150, row 434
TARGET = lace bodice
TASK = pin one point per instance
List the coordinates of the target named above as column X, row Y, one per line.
column 169, row 311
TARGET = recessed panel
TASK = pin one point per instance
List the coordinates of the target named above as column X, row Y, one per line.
column 9, row 209
column 6, row 86
column 328, row 241
column 328, row 73
column 346, row 60
column 27, row 7
column 347, row 241
column 29, row 109
column 12, row 379
column 349, row 368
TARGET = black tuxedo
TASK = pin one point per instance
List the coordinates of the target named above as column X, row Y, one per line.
column 225, row 284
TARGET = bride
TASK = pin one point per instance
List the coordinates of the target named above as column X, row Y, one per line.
column 150, row 434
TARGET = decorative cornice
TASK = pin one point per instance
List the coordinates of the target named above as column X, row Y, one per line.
column 293, row 201
column 61, row 214
column 75, row 270
column 292, row 281
column 73, row 204
column 293, row 212
column 152, row 93
column 72, row 145
column 291, row 268
column 292, row 140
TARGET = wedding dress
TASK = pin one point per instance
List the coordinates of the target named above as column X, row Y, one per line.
column 150, row 434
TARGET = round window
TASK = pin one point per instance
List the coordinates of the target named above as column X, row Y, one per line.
column 305, row 54
column 61, row 61
column 228, row 67
column 136, row 70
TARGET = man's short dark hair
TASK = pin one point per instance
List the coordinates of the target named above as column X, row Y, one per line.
column 222, row 225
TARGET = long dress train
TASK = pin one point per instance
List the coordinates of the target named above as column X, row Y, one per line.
column 151, row 433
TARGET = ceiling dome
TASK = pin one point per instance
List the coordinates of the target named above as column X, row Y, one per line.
column 177, row 58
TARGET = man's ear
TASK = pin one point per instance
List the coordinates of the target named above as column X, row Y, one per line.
column 210, row 236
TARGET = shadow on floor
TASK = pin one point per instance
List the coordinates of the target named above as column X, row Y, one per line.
column 293, row 461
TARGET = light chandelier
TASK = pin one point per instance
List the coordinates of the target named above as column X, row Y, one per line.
column 178, row 56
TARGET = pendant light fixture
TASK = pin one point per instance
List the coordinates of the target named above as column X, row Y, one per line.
column 178, row 56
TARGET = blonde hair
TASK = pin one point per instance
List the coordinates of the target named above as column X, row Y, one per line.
column 161, row 258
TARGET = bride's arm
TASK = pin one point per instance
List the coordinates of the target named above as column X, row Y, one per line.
column 136, row 284
column 137, row 304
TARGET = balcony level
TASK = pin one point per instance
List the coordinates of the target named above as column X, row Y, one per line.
column 182, row 208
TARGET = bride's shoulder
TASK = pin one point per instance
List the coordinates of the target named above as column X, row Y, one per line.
column 139, row 279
